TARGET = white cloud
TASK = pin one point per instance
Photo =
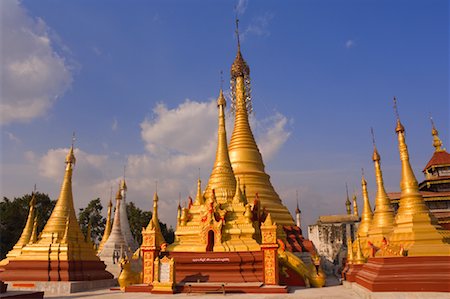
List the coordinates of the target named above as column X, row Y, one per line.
column 259, row 26
column 30, row 156
column 272, row 134
column 182, row 131
column 13, row 137
column 349, row 44
column 241, row 6
column 115, row 125
column 33, row 74
column 89, row 168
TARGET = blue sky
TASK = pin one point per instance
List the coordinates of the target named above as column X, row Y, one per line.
column 135, row 81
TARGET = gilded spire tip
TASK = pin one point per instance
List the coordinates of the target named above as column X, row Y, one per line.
column 437, row 143
column 376, row 155
column 399, row 127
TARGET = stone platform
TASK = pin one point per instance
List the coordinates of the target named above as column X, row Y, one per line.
column 60, row 287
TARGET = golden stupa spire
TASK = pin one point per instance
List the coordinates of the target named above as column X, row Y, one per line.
column 57, row 223
column 367, row 215
column 348, row 204
column 359, row 258
column 246, row 160
column 123, row 184
column 437, row 143
column 28, row 229
column 383, row 217
column 408, row 183
column 34, row 233
column 416, row 230
column 222, row 179
column 199, row 200
column 349, row 251
column 238, row 198
column 153, row 225
column 355, row 206
column 108, row 225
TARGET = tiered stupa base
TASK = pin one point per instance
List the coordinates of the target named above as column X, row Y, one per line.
column 352, row 272
column 55, row 271
column 406, row 274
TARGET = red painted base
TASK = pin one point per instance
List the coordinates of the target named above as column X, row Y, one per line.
column 230, row 267
column 353, row 270
column 55, row 271
column 406, row 274
column 290, row 278
column 344, row 271
column 22, row 295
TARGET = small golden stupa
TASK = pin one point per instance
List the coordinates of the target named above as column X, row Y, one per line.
column 383, row 216
column 60, row 252
column 108, row 227
column 28, row 234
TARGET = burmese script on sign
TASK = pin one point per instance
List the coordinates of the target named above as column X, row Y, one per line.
column 208, row 260
column 164, row 272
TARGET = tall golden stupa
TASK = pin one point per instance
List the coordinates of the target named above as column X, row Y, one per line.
column 245, row 158
column 60, row 252
column 236, row 230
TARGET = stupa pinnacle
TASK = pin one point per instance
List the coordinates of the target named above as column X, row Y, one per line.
column 245, row 157
column 383, row 216
column 222, row 179
column 367, row 215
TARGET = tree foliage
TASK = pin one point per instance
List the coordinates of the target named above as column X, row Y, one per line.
column 13, row 216
column 93, row 213
column 139, row 219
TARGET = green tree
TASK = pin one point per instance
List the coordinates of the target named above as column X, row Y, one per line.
column 13, row 216
column 139, row 219
column 93, row 213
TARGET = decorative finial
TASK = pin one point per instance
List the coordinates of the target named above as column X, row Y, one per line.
column 297, row 210
column 373, row 137
column 156, row 186
column 221, row 79
column 376, row 155
column 399, row 127
column 237, row 32
column 73, row 139
column 396, row 108
column 437, row 143
column 124, row 170
column 70, row 158
column 362, row 172
column 34, row 190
